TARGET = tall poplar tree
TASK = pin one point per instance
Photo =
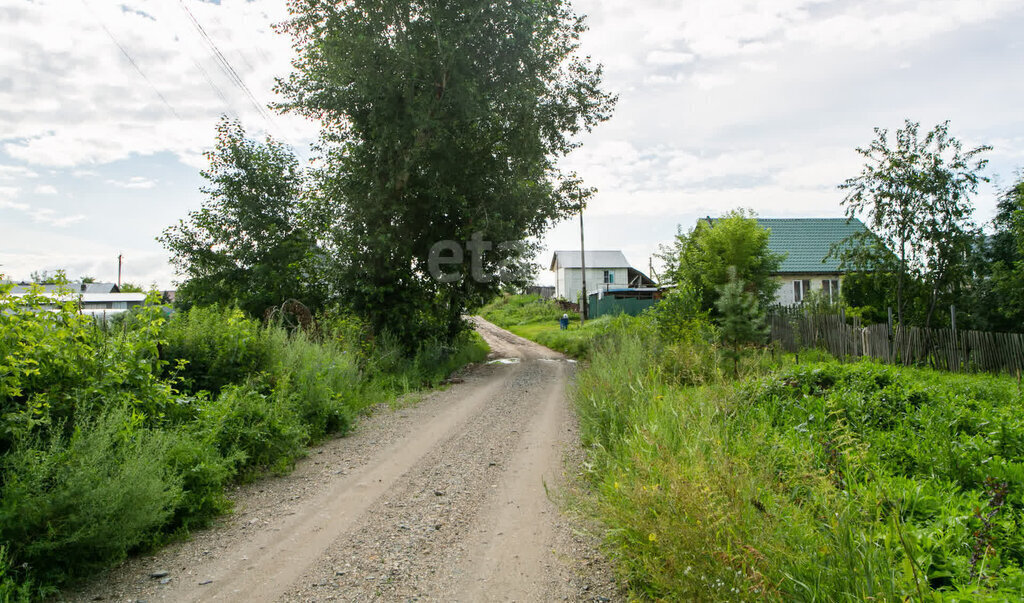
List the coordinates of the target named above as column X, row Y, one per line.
column 442, row 121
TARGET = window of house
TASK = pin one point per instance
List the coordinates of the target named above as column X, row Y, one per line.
column 830, row 289
column 609, row 277
column 801, row 289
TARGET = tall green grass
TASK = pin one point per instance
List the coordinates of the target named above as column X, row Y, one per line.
column 821, row 482
column 113, row 441
column 537, row 319
column 511, row 310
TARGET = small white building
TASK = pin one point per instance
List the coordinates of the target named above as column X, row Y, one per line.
column 606, row 270
column 95, row 299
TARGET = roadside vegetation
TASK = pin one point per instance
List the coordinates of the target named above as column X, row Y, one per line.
column 115, row 440
column 722, row 469
column 819, row 481
column 536, row 319
column 745, row 475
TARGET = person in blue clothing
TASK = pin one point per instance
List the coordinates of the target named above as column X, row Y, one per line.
column 564, row 321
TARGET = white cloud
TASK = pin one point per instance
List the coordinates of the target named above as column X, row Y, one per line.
column 6, row 204
column 45, row 189
column 136, row 182
column 71, row 98
column 13, row 172
column 662, row 80
column 664, row 57
column 42, row 215
column 708, row 81
column 873, row 23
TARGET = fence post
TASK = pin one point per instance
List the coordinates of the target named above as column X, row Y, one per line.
column 892, row 339
column 842, row 328
column 956, row 342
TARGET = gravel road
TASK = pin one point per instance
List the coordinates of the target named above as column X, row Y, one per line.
column 453, row 498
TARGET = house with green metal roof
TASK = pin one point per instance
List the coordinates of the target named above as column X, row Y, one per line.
column 806, row 243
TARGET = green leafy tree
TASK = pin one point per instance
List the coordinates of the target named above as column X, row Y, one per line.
column 249, row 243
column 1008, row 255
column 741, row 320
column 995, row 299
column 45, row 277
column 131, row 288
column 443, row 121
column 702, row 259
column 915, row 193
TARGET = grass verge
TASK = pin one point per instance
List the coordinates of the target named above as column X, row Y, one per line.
column 819, row 482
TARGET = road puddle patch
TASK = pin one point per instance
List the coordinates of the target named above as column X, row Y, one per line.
column 504, row 361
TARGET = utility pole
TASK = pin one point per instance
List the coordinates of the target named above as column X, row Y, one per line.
column 120, row 257
column 583, row 266
column 650, row 268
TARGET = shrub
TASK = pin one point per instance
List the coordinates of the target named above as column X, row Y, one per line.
column 85, row 501
column 13, row 588
column 261, row 430
column 114, row 438
column 207, row 348
column 320, row 381
column 204, row 472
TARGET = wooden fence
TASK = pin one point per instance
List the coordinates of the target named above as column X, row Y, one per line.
column 946, row 349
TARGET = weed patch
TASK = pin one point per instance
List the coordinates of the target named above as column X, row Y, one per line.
column 822, row 481
column 113, row 440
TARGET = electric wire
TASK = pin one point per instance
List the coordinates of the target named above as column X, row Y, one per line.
column 227, row 67
column 131, row 60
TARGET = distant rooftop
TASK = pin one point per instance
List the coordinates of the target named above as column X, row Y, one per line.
column 595, row 259
column 91, row 288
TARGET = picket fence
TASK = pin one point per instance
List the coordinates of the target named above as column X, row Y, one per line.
column 947, row 349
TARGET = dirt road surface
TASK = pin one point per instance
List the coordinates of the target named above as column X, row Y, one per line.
column 449, row 499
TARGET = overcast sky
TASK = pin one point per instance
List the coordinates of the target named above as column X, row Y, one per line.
column 106, row 108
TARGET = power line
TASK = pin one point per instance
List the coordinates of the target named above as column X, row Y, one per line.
column 227, row 68
column 131, row 60
column 215, row 87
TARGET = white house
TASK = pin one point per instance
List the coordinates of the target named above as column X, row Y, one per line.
column 806, row 244
column 606, row 270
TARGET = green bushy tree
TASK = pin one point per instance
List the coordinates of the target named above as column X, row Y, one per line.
column 700, row 259
column 996, row 296
column 915, row 195
column 1008, row 257
column 249, row 244
column 442, row 122
column 131, row 288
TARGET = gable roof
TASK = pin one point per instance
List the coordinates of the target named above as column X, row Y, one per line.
column 807, row 241
column 73, row 287
column 595, row 259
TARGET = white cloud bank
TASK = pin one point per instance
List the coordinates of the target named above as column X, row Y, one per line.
column 723, row 103
column 69, row 95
